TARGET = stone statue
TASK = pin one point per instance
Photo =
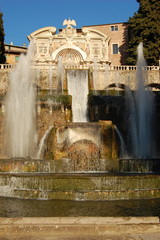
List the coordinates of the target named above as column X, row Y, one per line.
column 69, row 22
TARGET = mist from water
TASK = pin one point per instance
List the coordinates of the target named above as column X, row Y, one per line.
column 95, row 75
column 142, row 111
column 60, row 75
column 106, row 77
column 78, row 89
column 20, row 108
column 50, row 76
column 123, row 150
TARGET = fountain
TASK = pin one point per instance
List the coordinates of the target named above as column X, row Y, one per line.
column 78, row 89
column 60, row 75
column 106, row 77
column 95, row 74
column 20, row 105
column 50, row 73
column 141, row 122
column 142, row 112
column 42, row 143
column 78, row 159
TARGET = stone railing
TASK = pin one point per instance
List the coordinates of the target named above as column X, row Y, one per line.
column 7, row 66
column 110, row 67
column 75, row 66
column 86, row 66
column 130, row 68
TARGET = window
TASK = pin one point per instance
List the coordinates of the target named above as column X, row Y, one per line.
column 114, row 28
column 16, row 58
column 115, row 49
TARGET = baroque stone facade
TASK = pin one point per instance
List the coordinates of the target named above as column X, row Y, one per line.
column 74, row 46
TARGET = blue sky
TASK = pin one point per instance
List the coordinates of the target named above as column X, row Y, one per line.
column 22, row 17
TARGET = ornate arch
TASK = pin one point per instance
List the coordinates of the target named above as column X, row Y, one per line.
column 70, row 56
column 69, row 53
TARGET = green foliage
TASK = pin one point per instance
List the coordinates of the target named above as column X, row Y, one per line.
column 144, row 27
column 65, row 99
column 2, row 48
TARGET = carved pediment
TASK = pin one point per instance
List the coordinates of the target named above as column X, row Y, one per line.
column 43, row 32
column 93, row 33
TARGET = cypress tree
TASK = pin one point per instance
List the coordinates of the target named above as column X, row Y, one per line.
column 144, row 27
column 2, row 48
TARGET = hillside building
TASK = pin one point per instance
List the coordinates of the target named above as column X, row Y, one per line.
column 13, row 52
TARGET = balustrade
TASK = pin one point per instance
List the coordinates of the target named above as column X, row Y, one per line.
column 86, row 66
column 7, row 66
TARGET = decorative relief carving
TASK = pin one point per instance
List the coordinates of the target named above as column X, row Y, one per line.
column 80, row 45
column 86, row 44
column 69, row 31
column 88, row 50
column 95, row 50
column 70, row 56
column 50, row 49
column 42, row 49
column 104, row 50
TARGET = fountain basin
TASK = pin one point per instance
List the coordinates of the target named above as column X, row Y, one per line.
column 141, row 165
column 65, row 165
column 63, row 180
column 80, row 186
column 82, row 142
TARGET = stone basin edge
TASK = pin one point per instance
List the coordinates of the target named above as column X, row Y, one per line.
column 78, row 220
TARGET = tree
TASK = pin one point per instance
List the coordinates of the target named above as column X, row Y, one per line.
column 144, row 27
column 2, row 48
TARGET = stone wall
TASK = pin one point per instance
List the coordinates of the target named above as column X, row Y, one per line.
column 4, row 76
column 127, row 78
column 3, row 141
column 47, row 118
column 104, row 79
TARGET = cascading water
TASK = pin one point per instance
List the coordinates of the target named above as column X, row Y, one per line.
column 42, row 143
column 123, row 151
column 37, row 76
column 142, row 109
column 60, row 75
column 50, row 78
column 78, row 88
column 117, row 83
column 95, row 74
column 106, row 77
column 20, row 108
